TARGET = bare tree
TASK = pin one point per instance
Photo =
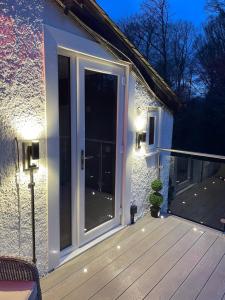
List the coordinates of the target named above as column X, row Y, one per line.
column 182, row 56
column 157, row 13
column 165, row 44
column 211, row 53
column 216, row 6
column 139, row 30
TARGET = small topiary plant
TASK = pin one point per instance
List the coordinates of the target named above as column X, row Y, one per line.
column 157, row 185
column 155, row 198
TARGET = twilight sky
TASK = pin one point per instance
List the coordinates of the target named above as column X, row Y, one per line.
column 191, row 10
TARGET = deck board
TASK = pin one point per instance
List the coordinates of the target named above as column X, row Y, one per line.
column 74, row 265
column 169, row 259
column 215, row 287
column 124, row 261
column 155, row 273
column 193, row 285
column 171, row 282
column 78, row 277
column 116, row 287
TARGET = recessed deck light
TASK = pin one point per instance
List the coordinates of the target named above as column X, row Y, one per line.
column 85, row 270
column 118, row 247
column 143, row 229
column 195, row 229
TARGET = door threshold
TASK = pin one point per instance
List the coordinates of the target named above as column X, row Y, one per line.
column 67, row 257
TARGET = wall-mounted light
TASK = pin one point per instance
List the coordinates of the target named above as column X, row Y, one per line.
column 31, row 155
column 140, row 138
column 140, row 125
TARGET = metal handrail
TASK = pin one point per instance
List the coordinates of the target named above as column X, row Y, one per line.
column 192, row 153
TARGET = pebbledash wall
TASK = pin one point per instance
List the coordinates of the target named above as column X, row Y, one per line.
column 145, row 165
column 23, row 116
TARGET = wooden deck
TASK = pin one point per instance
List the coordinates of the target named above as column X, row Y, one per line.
column 154, row 259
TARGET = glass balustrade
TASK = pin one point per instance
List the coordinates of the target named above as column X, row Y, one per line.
column 196, row 186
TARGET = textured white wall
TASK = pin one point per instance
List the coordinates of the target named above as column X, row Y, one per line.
column 22, row 115
column 145, row 169
column 55, row 17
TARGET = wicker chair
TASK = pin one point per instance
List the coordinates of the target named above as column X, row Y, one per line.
column 16, row 269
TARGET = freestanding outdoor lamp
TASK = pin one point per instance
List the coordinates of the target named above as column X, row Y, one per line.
column 31, row 158
column 133, row 211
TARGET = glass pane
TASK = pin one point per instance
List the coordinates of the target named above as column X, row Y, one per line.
column 65, row 151
column 197, row 189
column 100, row 147
column 151, row 130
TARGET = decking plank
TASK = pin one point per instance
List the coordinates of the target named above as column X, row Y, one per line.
column 79, row 277
column 160, row 263
column 156, row 272
column 125, row 279
column 76, row 264
column 192, row 286
column 214, row 289
column 174, row 278
column 139, row 250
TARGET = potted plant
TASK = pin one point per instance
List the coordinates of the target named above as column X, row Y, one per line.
column 155, row 198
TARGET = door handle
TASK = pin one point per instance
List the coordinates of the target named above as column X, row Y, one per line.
column 88, row 157
column 82, row 159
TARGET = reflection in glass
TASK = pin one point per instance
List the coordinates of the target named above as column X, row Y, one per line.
column 197, row 189
column 100, row 147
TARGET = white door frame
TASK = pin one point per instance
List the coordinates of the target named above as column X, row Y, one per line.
column 64, row 43
column 107, row 68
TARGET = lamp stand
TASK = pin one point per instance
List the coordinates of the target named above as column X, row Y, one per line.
column 31, row 187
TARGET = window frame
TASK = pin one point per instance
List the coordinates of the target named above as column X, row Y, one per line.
column 153, row 113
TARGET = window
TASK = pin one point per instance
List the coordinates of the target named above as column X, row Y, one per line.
column 65, row 151
column 153, row 128
column 152, row 131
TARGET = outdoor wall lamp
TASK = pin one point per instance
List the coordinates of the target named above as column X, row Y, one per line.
column 140, row 125
column 31, row 155
column 140, row 138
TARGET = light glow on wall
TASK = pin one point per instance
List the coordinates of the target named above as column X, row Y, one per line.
column 140, row 152
column 140, row 122
column 29, row 130
column 39, row 174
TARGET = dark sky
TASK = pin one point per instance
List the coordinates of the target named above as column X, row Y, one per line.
column 191, row 10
